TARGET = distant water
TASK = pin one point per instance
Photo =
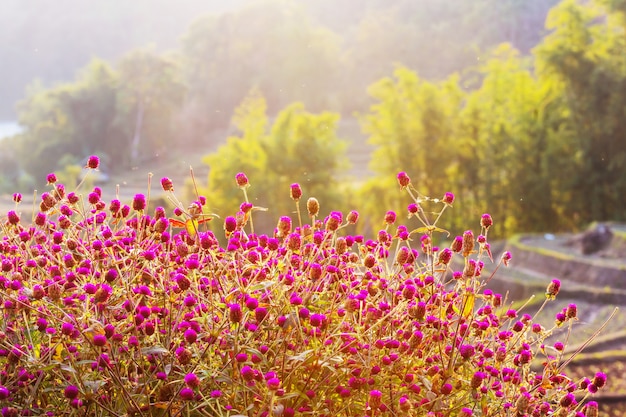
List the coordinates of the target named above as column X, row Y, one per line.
column 9, row 128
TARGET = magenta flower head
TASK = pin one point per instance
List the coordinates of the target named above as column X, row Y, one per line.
column 352, row 217
column 186, row 394
column 333, row 221
column 273, row 383
column 572, row 311
column 466, row 412
column 599, row 380
column 51, row 178
column 93, row 162
column 446, row 389
column 139, row 202
column 375, row 399
column 17, row 197
column 390, row 217
column 192, row 380
column 242, row 180
column 296, row 191
column 445, row 256
column 591, row 409
column 167, row 184
column 13, row 217
column 234, row 313
column 284, row 226
column 230, row 224
column 486, row 221
column 448, row 198
column 457, row 244
column 553, row 289
column 71, row 392
column 506, row 257
column 403, row 180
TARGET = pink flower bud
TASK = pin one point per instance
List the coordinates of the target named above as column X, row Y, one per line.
column 296, row 191
column 93, row 162
column 167, row 184
column 403, row 180
column 242, row 180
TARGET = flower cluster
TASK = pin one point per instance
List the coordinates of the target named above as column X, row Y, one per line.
column 110, row 310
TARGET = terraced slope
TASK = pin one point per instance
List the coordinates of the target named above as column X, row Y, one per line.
column 595, row 282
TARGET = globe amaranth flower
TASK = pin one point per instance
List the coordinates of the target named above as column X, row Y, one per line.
column 403, row 180
column 187, row 394
column 139, row 202
column 296, row 191
column 312, row 206
column 553, row 289
column 93, row 162
column 448, row 198
column 192, row 380
column 71, row 392
column 242, row 180
column 486, row 221
column 167, row 184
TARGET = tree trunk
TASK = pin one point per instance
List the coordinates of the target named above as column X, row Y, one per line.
column 134, row 145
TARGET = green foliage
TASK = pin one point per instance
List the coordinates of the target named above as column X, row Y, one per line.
column 299, row 147
column 582, row 61
column 149, row 96
column 111, row 112
column 413, row 124
column 542, row 149
column 270, row 45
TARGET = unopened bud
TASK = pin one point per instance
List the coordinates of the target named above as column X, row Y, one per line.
column 313, row 206
column 457, row 244
column 445, row 256
column 506, row 257
column 284, row 226
column 352, row 217
column 468, row 243
column 553, row 289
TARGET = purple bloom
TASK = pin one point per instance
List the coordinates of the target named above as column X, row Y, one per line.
column 93, row 162
column 139, row 202
column 187, row 394
column 71, row 392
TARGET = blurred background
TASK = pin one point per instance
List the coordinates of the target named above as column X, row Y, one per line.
column 517, row 106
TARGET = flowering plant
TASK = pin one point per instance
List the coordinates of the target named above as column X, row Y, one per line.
column 107, row 311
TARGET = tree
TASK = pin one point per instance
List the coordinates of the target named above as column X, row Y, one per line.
column 70, row 119
column 299, row 147
column 583, row 61
column 272, row 46
column 150, row 94
column 414, row 126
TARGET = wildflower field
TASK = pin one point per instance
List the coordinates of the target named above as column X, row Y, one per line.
column 113, row 308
